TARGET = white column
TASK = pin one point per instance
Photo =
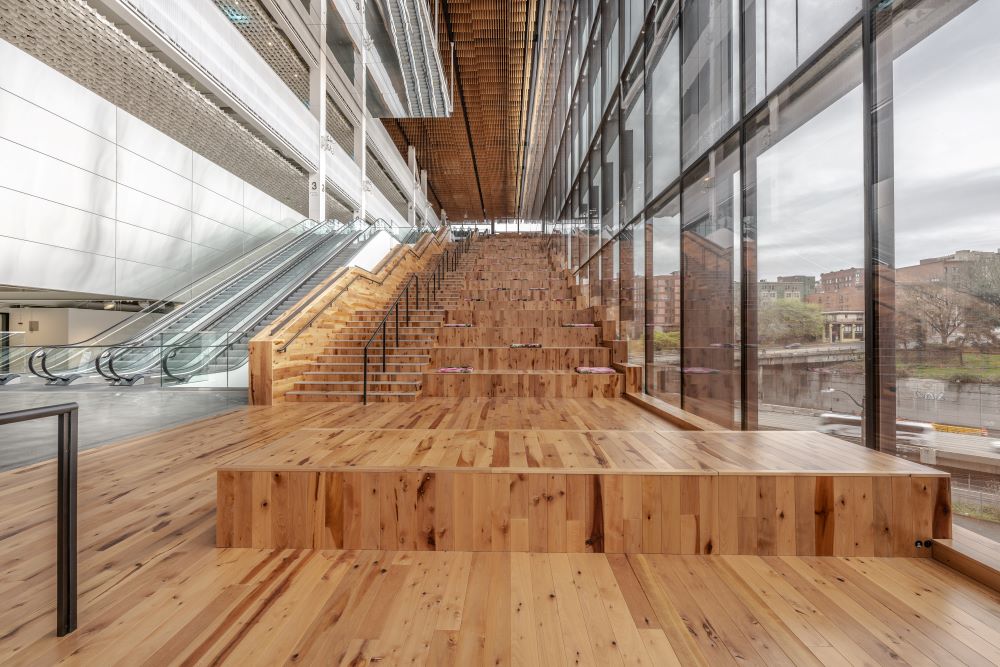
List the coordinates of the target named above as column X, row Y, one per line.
column 317, row 102
column 363, row 208
column 411, row 154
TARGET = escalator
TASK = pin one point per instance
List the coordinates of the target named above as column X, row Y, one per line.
column 223, row 311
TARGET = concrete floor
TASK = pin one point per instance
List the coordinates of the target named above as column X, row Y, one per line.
column 107, row 414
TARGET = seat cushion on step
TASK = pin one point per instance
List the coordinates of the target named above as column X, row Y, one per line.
column 455, row 369
column 595, row 370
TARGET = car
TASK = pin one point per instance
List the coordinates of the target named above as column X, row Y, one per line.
column 995, row 445
column 793, row 346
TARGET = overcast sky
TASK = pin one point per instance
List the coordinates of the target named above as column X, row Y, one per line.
column 947, row 161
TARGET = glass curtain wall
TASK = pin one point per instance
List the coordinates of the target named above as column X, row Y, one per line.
column 804, row 160
column 937, row 274
column 663, row 299
column 789, row 241
column 710, row 275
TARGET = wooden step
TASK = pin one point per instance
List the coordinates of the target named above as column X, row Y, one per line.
column 349, row 396
column 973, row 555
column 537, row 317
column 504, row 336
column 357, row 386
column 499, row 358
column 513, row 383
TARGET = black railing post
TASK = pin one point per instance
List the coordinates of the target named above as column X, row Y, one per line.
column 66, row 477
column 66, row 524
column 385, row 344
column 407, row 304
column 364, row 372
column 397, row 324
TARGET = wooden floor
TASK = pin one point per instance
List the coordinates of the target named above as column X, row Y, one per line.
column 154, row 590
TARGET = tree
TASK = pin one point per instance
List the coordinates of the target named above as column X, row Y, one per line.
column 934, row 305
column 789, row 321
column 980, row 283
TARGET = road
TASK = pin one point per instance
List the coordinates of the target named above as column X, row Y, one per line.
column 954, row 442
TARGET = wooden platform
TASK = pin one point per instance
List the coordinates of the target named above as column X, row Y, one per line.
column 155, row 590
column 551, row 491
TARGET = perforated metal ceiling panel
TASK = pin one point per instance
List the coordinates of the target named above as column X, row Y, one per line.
column 473, row 157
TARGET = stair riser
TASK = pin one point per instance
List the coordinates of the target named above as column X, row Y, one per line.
column 566, row 359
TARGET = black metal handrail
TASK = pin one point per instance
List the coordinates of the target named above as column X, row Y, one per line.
column 65, row 505
column 344, row 289
column 447, row 261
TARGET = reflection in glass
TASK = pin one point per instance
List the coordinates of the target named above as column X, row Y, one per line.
column 663, row 118
column 939, row 242
column 710, row 274
column 610, row 172
column 805, row 175
column 663, row 304
column 633, row 145
column 780, row 35
column 709, row 73
column 633, row 291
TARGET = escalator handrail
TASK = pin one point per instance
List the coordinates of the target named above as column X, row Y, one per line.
column 244, row 295
column 161, row 323
column 205, row 320
column 252, row 319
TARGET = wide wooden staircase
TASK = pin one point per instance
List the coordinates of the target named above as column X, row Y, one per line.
column 476, row 316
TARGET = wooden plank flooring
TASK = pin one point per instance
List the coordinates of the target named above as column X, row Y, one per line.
column 154, row 590
column 569, row 450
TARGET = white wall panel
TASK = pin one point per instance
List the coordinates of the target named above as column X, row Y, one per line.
column 94, row 200
column 37, row 174
column 218, row 180
column 57, row 268
column 210, row 205
column 38, row 83
column 205, row 259
column 153, row 145
column 140, row 174
column 208, row 232
column 137, row 280
column 141, row 245
column 33, row 127
column 257, row 201
column 33, row 219
column 257, row 225
column 142, row 210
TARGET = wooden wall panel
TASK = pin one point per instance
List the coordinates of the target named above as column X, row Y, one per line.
column 765, row 515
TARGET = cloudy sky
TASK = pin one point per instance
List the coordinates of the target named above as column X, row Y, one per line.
column 947, row 161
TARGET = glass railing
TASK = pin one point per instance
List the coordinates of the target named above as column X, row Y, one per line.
column 13, row 356
column 206, row 359
column 79, row 359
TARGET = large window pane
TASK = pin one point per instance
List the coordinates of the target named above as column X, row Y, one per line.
column 633, row 291
column 939, row 242
column 780, row 35
column 710, row 272
column 663, row 118
column 610, row 199
column 709, row 73
column 805, row 189
column 663, row 293
column 633, row 145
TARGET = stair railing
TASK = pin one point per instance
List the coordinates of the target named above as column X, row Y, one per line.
column 447, row 261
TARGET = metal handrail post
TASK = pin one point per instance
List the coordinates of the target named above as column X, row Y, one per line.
column 385, row 344
column 66, row 506
column 397, row 324
column 66, row 583
column 364, row 389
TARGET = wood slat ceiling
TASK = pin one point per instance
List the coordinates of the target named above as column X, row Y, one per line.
column 473, row 158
